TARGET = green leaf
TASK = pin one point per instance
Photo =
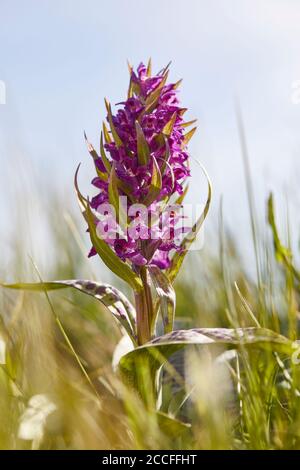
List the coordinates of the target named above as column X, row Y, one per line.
column 188, row 136
column 177, row 84
column 182, row 111
column 129, row 66
column 114, row 199
column 113, row 192
column 170, row 426
column 107, row 137
column 115, row 135
column 165, row 70
column 167, row 130
column 101, row 175
column 130, row 89
column 142, row 145
column 121, row 185
column 155, row 184
column 136, row 89
column 90, row 147
column 114, row 300
column 104, row 158
column 265, row 338
column 152, row 100
column 108, row 256
column 166, row 295
column 160, row 139
column 82, row 200
column 179, row 256
column 93, row 153
column 126, row 189
column 166, row 156
column 188, row 123
column 180, row 199
column 282, row 253
column 149, row 67
column 157, row 351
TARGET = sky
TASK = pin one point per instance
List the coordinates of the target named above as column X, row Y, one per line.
column 59, row 59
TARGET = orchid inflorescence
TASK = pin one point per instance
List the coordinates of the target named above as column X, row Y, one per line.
column 148, row 164
column 142, row 171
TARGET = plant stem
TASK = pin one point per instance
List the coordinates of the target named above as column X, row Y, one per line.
column 144, row 309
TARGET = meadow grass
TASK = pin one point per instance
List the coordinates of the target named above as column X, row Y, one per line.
column 57, row 397
column 59, row 390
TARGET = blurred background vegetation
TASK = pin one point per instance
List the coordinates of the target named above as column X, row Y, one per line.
column 46, row 401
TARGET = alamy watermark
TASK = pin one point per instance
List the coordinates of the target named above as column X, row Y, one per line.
column 2, row 92
column 167, row 223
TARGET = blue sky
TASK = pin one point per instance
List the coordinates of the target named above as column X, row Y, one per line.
column 59, row 59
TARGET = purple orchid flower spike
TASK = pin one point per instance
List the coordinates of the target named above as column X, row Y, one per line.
column 147, row 148
column 142, row 173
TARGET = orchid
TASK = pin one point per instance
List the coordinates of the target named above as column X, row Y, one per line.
column 142, row 172
column 143, row 160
